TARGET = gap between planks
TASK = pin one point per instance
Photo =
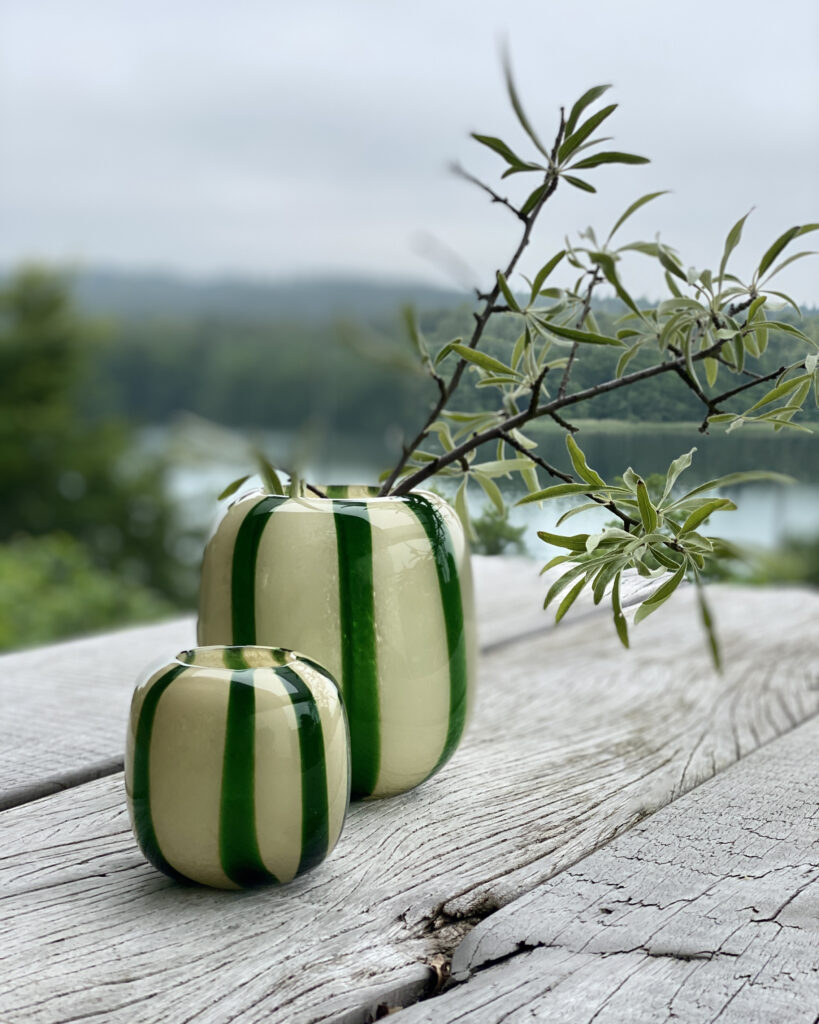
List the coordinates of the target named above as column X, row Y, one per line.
column 66, row 705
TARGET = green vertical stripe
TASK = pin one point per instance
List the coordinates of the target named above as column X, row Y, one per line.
column 449, row 585
column 243, row 570
column 141, row 782
column 359, row 662
column 238, row 843
column 315, row 825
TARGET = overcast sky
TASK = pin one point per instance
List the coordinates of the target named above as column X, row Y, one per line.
column 276, row 138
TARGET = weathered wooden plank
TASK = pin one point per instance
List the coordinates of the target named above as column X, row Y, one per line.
column 706, row 911
column 65, row 706
column 574, row 741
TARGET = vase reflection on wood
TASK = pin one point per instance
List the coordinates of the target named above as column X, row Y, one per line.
column 377, row 589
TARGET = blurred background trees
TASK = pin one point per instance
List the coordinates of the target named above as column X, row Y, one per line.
column 103, row 507
column 86, row 533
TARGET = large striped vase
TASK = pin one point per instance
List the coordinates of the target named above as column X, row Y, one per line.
column 237, row 766
column 377, row 589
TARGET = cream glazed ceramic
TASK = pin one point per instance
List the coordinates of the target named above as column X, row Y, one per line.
column 237, row 765
column 377, row 589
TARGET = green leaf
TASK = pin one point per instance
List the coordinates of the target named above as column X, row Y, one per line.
column 606, row 263
column 619, row 619
column 556, row 491
column 533, row 199
column 269, row 475
column 570, row 144
column 604, row 576
column 411, row 324
column 577, row 542
column 585, row 100
column 660, row 595
column 563, row 581
column 731, row 242
column 584, row 186
column 784, row 240
column 708, row 624
column 577, row 509
column 580, row 465
column 518, row 107
column 678, row 466
column 491, row 490
column 232, row 488
column 778, row 325
column 635, row 206
column 669, row 263
column 779, row 391
column 502, row 467
column 507, row 292
column 732, row 479
column 785, row 298
column 648, row 513
column 472, row 355
column 545, row 271
column 500, row 147
column 569, row 599
column 791, row 259
column 585, row 336
column 609, row 158
column 626, row 357
column 702, row 513
column 711, row 371
column 557, row 560
column 446, row 350
column 462, row 508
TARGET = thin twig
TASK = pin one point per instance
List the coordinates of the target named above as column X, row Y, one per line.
column 713, row 404
column 584, row 312
column 626, row 519
column 564, row 423
column 550, row 182
column 511, row 422
column 463, row 173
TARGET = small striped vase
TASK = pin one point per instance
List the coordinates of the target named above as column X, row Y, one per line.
column 377, row 589
column 237, row 766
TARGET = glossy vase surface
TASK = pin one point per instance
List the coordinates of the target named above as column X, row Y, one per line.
column 237, row 765
column 377, row 589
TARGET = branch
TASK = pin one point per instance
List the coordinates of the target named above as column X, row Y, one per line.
column 462, row 173
column 584, row 312
column 481, row 320
column 627, row 521
column 714, row 403
column 511, row 422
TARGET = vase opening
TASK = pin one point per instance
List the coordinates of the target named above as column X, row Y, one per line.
column 249, row 656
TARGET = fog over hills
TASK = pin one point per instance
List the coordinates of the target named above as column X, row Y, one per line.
column 144, row 294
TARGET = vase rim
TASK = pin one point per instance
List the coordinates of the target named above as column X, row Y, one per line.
column 219, row 655
column 363, row 496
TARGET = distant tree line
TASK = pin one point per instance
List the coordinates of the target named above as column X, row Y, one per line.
column 353, row 377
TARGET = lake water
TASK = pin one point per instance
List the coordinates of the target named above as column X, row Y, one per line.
column 205, row 458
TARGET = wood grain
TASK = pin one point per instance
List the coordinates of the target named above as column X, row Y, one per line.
column 574, row 741
column 705, row 912
column 65, row 705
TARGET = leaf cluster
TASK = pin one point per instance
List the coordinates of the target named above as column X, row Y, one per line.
column 662, row 539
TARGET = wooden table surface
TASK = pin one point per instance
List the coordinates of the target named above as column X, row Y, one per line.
column 622, row 836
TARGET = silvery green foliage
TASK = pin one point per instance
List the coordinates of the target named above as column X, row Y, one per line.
column 708, row 332
column 660, row 537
